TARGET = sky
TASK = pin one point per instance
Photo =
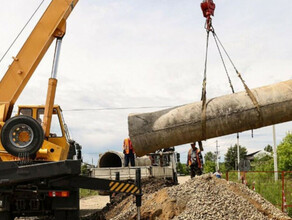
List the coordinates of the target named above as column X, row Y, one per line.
column 150, row 53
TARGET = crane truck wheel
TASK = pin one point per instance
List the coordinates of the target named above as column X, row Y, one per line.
column 22, row 136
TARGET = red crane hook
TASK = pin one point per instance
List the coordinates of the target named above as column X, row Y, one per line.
column 208, row 8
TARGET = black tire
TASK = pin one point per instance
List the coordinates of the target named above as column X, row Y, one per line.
column 12, row 136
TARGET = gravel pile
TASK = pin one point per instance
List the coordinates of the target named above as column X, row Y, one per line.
column 210, row 198
column 204, row 197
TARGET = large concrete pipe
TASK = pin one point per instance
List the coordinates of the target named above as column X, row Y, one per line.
column 224, row 115
column 116, row 159
column 111, row 159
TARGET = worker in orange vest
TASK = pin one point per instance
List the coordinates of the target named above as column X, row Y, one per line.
column 128, row 152
column 195, row 160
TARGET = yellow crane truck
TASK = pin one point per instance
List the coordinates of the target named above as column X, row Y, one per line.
column 38, row 174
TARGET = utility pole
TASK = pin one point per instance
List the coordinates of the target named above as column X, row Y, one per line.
column 238, row 156
column 275, row 154
column 217, row 156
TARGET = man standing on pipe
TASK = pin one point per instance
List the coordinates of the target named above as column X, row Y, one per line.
column 128, row 152
column 195, row 160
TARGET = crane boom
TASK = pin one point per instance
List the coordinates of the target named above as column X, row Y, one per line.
column 51, row 25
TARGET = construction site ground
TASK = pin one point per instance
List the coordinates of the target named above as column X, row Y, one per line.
column 98, row 202
column 203, row 197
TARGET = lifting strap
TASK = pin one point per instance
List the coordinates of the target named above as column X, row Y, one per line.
column 204, row 96
column 248, row 91
column 204, row 91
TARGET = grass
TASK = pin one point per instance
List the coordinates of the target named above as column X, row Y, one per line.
column 87, row 192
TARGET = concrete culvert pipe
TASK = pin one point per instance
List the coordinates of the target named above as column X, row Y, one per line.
column 111, row 159
column 116, row 159
column 224, row 115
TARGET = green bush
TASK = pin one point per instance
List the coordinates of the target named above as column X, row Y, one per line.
column 87, row 192
column 182, row 169
column 209, row 167
column 284, row 152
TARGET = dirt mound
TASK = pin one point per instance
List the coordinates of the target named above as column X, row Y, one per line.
column 204, row 197
column 122, row 201
column 149, row 186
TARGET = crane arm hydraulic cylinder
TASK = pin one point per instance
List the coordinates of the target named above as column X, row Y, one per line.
column 52, row 86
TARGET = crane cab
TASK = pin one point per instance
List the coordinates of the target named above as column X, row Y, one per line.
column 53, row 148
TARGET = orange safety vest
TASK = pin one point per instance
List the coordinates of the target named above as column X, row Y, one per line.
column 197, row 157
column 127, row 146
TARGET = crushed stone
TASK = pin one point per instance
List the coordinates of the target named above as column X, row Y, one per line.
column 203, row 197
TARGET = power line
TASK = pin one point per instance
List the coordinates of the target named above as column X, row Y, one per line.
column 21, row 31
column 114, row 108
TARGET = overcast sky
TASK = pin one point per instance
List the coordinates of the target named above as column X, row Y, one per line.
column 127, row 53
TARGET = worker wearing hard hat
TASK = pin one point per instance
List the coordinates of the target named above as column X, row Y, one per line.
column 128, row 152
column 195, row 160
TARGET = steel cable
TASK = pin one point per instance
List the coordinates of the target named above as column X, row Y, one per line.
column 21, row 31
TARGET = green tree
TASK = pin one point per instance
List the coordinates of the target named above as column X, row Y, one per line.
column 210, row 162
column 222, row 167
column 182, row 169
column 209, row 166
column 84, row 170
column 284, row 152
column 265, row 163
column 269, row 148
column 209, row 156
column 231, row 156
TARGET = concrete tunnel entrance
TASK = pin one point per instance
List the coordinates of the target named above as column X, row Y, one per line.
column 110, row 159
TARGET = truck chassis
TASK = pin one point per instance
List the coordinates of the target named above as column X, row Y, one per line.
column 51, row 189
